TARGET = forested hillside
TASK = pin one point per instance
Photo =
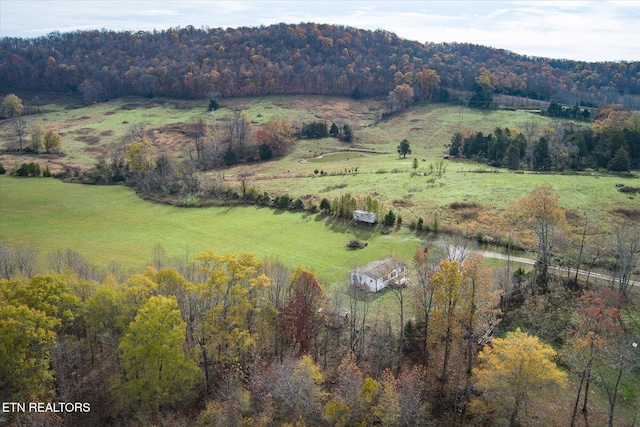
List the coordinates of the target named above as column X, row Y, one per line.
column 294, row 59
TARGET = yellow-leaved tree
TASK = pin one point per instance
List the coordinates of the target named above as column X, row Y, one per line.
column 514, row 371
column 541, row 213
column 157, row 371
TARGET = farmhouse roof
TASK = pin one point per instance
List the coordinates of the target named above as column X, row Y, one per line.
column 380, row 268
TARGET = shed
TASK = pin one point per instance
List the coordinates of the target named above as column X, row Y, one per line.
column 364, row 216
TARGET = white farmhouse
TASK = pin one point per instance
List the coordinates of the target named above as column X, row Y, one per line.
column 379, row 274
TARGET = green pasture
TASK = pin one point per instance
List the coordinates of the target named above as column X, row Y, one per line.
column 423, row 192
column 112, row 224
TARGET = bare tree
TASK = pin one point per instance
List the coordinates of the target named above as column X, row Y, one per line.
column 244, row 176
column 424, row 292
column 358, row 311
column 530, row 129
column 381, row 349
column 20, row 127
column 17, row 259
column 277, row 293
column 196, row 131
column 626, row 245
column 136, row 131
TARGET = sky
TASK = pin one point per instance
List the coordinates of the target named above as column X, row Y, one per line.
column 603, row 30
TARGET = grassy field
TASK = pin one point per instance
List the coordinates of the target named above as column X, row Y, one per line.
column 112, row 224
column 420, row 193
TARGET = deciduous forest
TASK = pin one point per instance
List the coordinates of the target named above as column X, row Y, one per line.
column 294, row 59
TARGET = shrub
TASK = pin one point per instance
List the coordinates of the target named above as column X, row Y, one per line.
column 463, row 205
column 390, row 219
column 282, row 201
column 28, row 169
column 325, row 205
column 356, row 244
column 298, row 204
column 2, row 169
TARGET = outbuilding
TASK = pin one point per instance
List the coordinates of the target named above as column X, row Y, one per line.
column 379, row 274
column 364, row 216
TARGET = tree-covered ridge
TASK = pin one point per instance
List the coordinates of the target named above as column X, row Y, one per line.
column 306, row 58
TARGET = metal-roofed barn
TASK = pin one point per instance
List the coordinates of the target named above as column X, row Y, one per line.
column 379, row 274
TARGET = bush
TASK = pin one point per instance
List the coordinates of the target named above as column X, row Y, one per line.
column 2, row 169
column 298, row 204
column 356, row 244
column 325, row 206
column 390, row 219
column 28, row 169
column 282, row 201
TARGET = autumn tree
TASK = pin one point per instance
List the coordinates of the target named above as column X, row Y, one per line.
column 429, row 82
column 514, row 371
column 28, row 335
column 543, row 215
column 596, row 323
column 37, row 134
column 230, row 295
column 303, row 311
column 345, row 407
column 276, row 294
column 52, row 141
column 449, row 288
column 388, row 409
column 479, row 303
column 483, row 87
column 12, row 106
column 297, row 390
column 400, row 97
column 157, row 372
column 277, row 134
column 140, row 155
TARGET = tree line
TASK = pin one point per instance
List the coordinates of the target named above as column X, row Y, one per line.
column 305, row 58
column 612, row 143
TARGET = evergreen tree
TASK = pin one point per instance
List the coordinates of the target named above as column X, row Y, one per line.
column 390, row 219
column 620, row 161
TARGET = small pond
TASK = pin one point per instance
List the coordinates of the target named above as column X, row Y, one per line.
column 337, row 157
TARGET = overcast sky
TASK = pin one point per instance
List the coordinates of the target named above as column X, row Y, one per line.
column 580, row 30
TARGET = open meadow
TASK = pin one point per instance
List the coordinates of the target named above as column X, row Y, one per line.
column 368, row 166
column 112, row 223
column 107, row 224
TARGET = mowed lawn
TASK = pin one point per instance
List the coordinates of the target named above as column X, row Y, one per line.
column 113, row 224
